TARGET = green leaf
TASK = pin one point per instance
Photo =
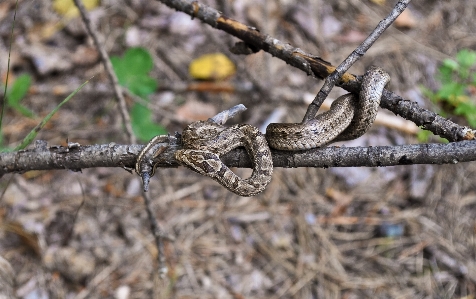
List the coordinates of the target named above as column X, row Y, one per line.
column 140, row 114
column 141, row 86
column 142, row 125
column 451, row 89
column 132, row 71
column 445, row 74
column 465, row 108
column 139, row 61
column 120, row 68
column 29, row 138
column 423, row 135
column 468, row 110
column 23, row 110
column 472, row 120
column 466, row 58
column 456, row 77
column 19, row 89
column 463, row 74
column 450, row 64
column 17, row 93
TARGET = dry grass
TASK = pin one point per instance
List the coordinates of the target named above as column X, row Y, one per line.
column 313, row 233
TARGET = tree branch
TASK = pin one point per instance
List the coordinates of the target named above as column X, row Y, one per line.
column 331, row 80
column 317, row 67
column 113, row 155
column 76, row 157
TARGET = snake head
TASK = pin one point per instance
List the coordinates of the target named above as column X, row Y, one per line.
column 145, row 165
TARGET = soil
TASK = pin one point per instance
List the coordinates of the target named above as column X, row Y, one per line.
column 394, row 232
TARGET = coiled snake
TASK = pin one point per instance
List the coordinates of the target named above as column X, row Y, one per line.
column 205, row 141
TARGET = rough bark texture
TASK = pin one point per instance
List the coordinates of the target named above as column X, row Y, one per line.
column 112, row 155
column 317, row 67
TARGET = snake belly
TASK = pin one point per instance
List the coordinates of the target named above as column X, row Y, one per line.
column 205, row 142
column 348, row 118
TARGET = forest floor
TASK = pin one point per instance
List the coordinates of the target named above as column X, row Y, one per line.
column 390, row 232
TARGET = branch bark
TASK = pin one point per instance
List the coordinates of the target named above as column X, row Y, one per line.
column 360, row 51
column 76, row 157
column 319, row 68
column 113, row 155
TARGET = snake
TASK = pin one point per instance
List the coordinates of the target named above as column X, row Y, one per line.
column 349, row 117
column 204, row 142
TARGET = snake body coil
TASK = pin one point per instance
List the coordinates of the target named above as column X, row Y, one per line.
column 348, row 118
column 205, row 141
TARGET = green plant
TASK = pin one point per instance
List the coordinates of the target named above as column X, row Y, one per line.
column 13, row 96
column 31, row 136
column 132, row 71
column 457, row 94
column 17, row 92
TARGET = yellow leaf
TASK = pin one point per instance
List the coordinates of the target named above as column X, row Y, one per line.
column 69, row 10
column 379, row 2
column 214, row 66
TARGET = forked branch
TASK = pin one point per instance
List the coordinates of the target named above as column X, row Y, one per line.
column 319, row 68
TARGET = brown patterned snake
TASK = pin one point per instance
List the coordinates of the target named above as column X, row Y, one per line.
column 348, row 118
column 205, row 141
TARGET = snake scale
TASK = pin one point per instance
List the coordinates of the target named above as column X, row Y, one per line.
column 349, row 117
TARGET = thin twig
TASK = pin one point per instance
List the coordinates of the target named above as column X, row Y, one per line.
column 315, row 66
column 3, row 100
column 456, row 266
column 109, row 70
column 352, row 58
column 158, row 236
column 69, row 233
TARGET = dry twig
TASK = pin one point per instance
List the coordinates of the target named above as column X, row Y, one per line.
column 315, row 66
column 109, row 70
column 360, row 51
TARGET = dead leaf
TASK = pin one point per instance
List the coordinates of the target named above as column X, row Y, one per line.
column 194, row 110
column 85, row 55
column 406, row 20
column 4, row 8
column 29, row 239
column 67, row 8
column 43, row 31
column 72, row 264
column 350, row 37
column 342, row 201
column 214, row 66
column 47, row 59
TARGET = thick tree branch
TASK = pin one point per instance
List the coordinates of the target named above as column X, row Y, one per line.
column 113, row 155
column 317, row 67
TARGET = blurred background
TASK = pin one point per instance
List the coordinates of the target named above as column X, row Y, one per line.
column 392, row 232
